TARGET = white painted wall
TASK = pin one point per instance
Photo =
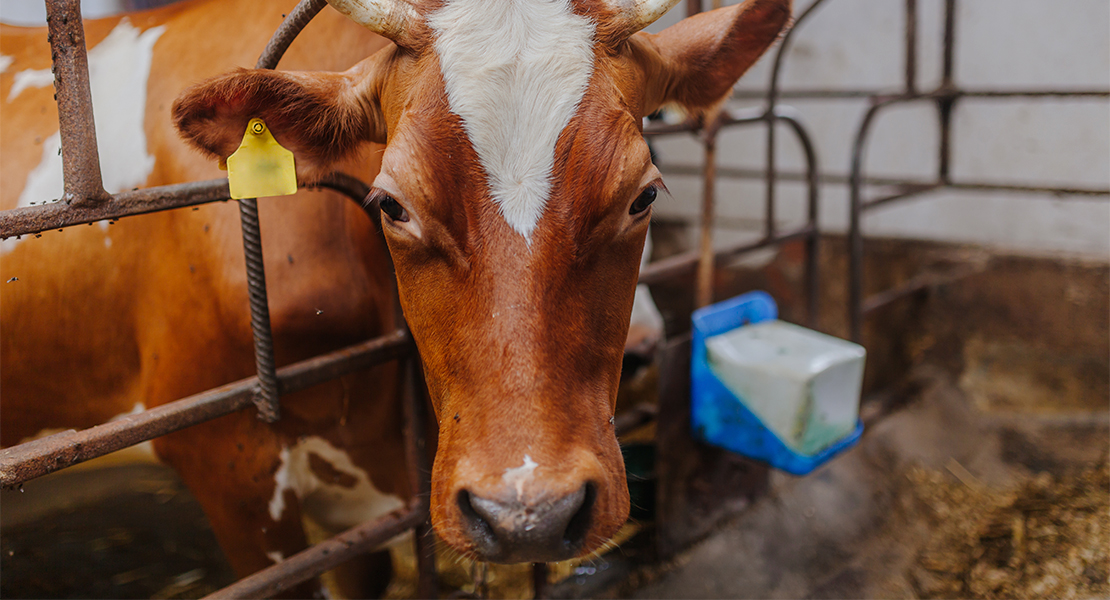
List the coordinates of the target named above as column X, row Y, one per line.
column 852, row 44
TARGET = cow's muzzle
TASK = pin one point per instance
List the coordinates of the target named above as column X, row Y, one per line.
column 542, row 529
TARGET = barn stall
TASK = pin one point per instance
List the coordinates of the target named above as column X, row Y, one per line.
column 985, row 325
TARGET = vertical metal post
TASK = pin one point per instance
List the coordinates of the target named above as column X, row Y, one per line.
column 693, row 7
column 539, row 580
column 911, row 46
column 704, row 284
column 769, row 180
column 947, row 102
column 416, row 455
column 76, row 127
column 855, row 232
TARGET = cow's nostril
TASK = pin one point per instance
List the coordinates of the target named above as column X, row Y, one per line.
column 477, row 526
column 575, row 535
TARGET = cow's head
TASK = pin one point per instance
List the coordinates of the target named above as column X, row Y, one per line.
column 515, row 193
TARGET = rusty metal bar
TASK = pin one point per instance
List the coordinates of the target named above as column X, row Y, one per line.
column 27, row 461
column 911, row 46
column 855, row 237
column 420, row 476
column 680, row 264
column 904, row 191
column 540, row 585
column 840, row 94
column 80, row 159
column 918, row 283
column 267, row 396
column 296, row 21
column 703, row 291
column 30, row 220
column 325, row 555
column 1081, row 193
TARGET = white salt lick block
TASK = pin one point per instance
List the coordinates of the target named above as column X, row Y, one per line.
column 803, row 385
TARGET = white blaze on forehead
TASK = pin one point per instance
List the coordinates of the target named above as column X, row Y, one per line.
column 119, row 68
column 518, row 476
column 515, row 72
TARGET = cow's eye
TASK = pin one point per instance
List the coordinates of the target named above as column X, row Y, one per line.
column 392, row 208
column 644, row 200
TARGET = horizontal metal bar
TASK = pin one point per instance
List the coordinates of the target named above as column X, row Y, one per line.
column 326, row 555
column 36, row 458
column 679, row 264
column 837, row 179
column 915, row 284
column 29, row 220
column 904, row 191
column 826, row 94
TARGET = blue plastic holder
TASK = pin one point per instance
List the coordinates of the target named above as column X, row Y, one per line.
column 719, row 417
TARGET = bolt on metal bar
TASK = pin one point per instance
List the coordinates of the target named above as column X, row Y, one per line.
column 22, row 463
column 83, row 184
column 325, row 555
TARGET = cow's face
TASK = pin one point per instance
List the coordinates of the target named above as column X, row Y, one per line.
column 515, row 193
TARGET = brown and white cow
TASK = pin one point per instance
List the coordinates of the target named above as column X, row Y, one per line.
column 515, row 190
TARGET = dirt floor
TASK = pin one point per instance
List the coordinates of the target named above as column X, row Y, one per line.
column 937, row 501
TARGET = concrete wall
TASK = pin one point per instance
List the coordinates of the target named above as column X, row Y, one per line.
column 858, row 44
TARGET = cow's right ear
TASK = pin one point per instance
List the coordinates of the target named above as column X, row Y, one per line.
column 321, row 117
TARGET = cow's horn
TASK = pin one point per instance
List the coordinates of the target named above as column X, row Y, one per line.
column 633, row 15
column 394, row 19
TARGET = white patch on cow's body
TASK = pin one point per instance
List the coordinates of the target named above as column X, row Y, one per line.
column 517, row 477
column 331, row 505
column 515, row 72
column 119, row 68
column 30, row 78
column 281, row 484
column 5, row 62
column 275, row 556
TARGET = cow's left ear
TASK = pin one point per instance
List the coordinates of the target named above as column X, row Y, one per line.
column 320, row 117
column 696, row 62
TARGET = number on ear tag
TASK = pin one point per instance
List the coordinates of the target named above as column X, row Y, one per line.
column 260, row 167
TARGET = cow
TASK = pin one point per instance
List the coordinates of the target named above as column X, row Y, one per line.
column 515, row 191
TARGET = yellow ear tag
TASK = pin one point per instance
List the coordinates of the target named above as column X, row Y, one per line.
column 260, row 167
